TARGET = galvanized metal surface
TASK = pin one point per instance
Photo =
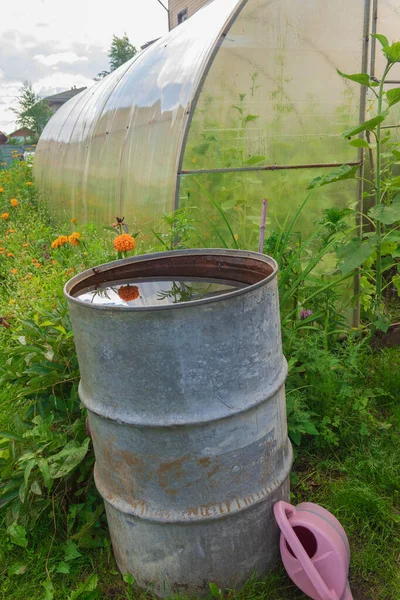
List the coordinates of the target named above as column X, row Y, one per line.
column 187, row 412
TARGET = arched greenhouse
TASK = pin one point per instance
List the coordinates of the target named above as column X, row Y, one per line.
column 240, row 102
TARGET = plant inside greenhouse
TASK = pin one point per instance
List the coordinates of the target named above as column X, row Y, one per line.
column 200, row 316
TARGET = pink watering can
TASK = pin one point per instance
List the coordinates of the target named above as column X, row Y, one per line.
column 315, row 550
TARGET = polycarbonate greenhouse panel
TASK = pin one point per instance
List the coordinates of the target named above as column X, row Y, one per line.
column 272, row 95
column 239, row 198
column 116, row 150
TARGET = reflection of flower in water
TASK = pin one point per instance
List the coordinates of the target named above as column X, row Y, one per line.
column 128, row 292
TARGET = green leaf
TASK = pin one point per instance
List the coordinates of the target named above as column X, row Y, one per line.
column 17, row 535
column 396, row 283
column 393, row 96
column 253, row 160
column 356, row 253
column 359, row 143
column 129, row 578
column 382, row 323
column 29, row 466
column 35, row 488
column 336, row 174
column 392, row 52
column 381, row 38
column 11, row 436
column 62, row 567
column 295, row 436
column 362, row 78
column 228, row 204
column 215, row 590
column 366, row 126
column 68, row 459
column 249, row 118
column 89, row 585
column 17, row 569
column 310, row 428
column 49, row 589
column 71, row 551
column 387, row 214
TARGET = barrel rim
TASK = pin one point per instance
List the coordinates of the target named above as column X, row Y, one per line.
column 74, row 281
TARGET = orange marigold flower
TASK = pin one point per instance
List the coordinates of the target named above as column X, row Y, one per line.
column 124, row 243
column 10, row 255
column 1, row 250
column 11, row 231
column 128, row 292
column 1, row 189
column 14, row 202
column 25, row 245
column 74, row 220
column 4, row 215
column 38, row 265
column 29, row 183
column 29, row 276
column 74, row 238
column 60, row 241
column 14, row 271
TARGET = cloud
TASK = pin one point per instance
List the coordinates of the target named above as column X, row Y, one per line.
column 51, row 66
column 61, row 57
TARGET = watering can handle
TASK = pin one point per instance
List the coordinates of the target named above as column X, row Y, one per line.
column 281, row 511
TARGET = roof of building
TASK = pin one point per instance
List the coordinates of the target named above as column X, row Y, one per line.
column 62, row 97
column 22, row 132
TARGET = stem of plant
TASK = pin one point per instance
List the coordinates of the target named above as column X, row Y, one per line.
column 262, row 226
column 378, row 198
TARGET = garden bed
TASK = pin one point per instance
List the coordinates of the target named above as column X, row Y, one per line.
column 343, row 412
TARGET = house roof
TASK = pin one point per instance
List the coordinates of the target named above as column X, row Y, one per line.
column 22, row 132
column 62, row 97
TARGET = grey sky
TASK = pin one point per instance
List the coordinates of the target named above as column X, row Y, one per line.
column 57, row 44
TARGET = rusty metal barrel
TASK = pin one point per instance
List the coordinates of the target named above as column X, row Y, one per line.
column 186, row 404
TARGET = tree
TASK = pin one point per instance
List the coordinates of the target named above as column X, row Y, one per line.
column 32, row 112
column 121, row 50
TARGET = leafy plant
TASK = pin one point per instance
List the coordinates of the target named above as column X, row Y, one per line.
column 176, row 231
column 377, row 251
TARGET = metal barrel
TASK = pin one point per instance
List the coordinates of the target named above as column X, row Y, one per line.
column 186, row 406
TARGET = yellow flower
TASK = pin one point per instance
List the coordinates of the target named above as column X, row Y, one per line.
column 29, row 183
column 124, row 243
column 1, row 189
column 11, row 231
column 74, row 238
column 74, row 220
column 4, row 215
column 14, row 272
column 60, row 241
column 14, row 202
column 128, row 292
column 29, row 276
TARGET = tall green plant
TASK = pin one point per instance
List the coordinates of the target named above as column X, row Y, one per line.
column 377, row 251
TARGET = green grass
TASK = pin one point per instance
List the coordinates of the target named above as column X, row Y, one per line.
column 352, row 468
